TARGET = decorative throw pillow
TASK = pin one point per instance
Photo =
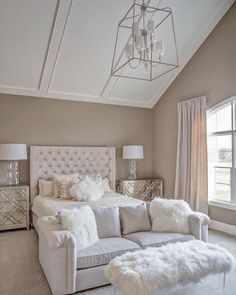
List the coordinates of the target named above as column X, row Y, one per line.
column 106, row 185
column 81, row 223
column 46, row 188
column 134, row 219
column 63, row 183
column 86, row 190
column 108, row 222
column 170, row 215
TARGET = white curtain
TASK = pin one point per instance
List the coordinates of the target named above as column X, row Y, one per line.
column 191, row 162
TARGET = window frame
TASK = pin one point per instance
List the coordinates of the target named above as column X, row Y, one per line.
column 230, row 101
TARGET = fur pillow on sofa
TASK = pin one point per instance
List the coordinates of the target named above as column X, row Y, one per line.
column 170, row 215
column 81, row 223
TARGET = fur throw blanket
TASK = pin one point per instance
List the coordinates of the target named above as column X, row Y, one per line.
column 170, row 215
column 81, row 223
column 172, row 265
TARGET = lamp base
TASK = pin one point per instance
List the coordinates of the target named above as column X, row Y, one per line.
column 132, row 169
column 13, row 173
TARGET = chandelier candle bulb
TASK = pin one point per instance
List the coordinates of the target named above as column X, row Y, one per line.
column 139, row 42
column 128, row 50
column 150, row 26
column 136, row 28
column 160, row 48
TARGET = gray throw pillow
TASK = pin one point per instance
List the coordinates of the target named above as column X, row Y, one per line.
column 108, row 222
column 134, row 219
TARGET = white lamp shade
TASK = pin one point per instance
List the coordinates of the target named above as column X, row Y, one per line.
column 133, row 152
column 13, row 151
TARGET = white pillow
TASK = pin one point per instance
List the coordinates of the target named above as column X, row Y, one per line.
column 81, row 223
column 106, row 185
column 46, row 188
column 86, row 190
column 170, row 215
column 63, row 183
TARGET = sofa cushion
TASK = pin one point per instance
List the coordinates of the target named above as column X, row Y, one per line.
column 103, row 251
column 108, row 222
column 152, row 239
column 134, row 219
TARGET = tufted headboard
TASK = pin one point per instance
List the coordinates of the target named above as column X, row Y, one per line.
column 46, row 160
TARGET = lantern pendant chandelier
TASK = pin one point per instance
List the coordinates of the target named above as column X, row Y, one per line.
column 145, row 47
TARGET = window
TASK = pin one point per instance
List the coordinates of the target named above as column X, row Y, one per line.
column 221, row 143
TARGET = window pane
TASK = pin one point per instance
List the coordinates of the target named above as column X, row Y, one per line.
column 211, row 183
column 219, row 183
column 220, row 120
column 219, row 150
column 223, row 192
column 222, row 175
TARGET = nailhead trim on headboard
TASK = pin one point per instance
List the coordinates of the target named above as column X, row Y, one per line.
column 46, row 160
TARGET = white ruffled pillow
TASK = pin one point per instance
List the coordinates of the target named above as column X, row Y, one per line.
column 98, row 178
column 170, row 215
column 87, row 190
column 81, row 223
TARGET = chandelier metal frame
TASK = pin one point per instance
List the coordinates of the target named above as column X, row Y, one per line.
column 146, row 58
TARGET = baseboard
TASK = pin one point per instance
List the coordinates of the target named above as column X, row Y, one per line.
column 224, row 227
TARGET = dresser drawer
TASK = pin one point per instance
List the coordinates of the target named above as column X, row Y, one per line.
column 14, row 207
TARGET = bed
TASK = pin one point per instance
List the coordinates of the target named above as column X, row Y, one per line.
column 46, row 160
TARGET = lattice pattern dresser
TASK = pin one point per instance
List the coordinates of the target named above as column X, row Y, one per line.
column 143, row 189
column 14, row 207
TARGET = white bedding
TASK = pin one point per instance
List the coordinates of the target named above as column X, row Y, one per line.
column 48, row 206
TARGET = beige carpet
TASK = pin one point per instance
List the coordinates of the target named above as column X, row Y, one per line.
column 21, row 274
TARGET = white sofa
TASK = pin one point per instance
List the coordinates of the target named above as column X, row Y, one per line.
column 69, row 271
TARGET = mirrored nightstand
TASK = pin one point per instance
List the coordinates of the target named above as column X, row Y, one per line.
column 14, row 207
column 143, row 189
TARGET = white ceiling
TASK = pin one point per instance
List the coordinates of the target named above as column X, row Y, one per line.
column 63, row 48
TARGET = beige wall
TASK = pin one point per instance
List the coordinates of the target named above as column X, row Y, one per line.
column 39, row 121
column 211, row 72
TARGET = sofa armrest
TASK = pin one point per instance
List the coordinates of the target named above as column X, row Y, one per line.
column 198, row 223
column 57, row 255
column 54, row 234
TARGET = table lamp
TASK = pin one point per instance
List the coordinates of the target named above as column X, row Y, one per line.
column 13, row 152
column 132, row 153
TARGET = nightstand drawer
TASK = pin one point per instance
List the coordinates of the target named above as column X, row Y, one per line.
column 14, row 207
column 143, row 189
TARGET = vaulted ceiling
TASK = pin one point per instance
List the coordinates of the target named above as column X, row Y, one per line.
column 63, row 48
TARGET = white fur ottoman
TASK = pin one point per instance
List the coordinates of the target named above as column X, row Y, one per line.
column 153, row 269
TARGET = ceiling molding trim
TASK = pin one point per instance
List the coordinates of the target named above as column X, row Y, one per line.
column 48, row 44
column 196, row 44
column 10, row 88
column 77, row 97
column 70, row 3
column 73, row 94
column 59, row 23
column 144, row 103
column 99, row 99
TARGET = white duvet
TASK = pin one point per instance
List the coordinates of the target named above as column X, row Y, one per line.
column 48, row 206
